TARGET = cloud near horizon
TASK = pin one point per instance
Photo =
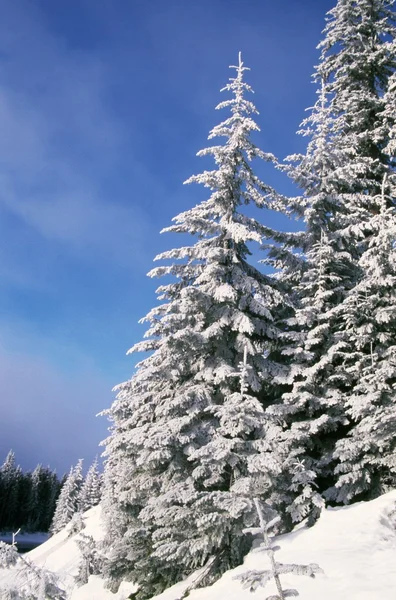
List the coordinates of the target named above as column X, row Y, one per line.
column 50, row 412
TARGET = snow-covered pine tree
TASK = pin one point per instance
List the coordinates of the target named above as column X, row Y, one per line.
column 91, row 561
column 91, row 489
column 66, row 505
column 177, row 468
column 10, row 476
column 340, row 175
column 368, row 454
column 313, row 406
column 43, row 496
column 358, row 57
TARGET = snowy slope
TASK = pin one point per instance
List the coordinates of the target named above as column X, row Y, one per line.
column 355, row 546
column 61, row 555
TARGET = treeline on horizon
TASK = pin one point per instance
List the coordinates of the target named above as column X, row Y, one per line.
column 27, row 498
column 39, row 500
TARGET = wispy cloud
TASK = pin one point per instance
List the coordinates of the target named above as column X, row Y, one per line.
column 59, row 145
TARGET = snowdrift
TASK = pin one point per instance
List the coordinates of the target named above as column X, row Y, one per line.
column 354, row 545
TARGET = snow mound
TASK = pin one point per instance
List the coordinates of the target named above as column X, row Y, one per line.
column 355, row 546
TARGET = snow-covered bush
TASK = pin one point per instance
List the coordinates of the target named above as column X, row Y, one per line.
column 8, row 555
column 76, row 524
column 30, row 582
column 92, row 560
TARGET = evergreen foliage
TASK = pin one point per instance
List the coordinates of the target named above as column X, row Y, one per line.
column 9, row 483
column 44, row 493
column 341, row 176
column 277, row 387
column 27, row 500
column 67, row 503
column 91, row 489
column 179, row 458
column 367, row 454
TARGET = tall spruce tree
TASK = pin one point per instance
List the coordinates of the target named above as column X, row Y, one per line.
column 180, row 457
column 10, row 475
column 91, row 490
column 341, row 176
column 42, row 502
column 67, row 502
column 368, row 454
column 312, row 408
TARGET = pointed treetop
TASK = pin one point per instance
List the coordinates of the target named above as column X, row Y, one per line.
column 9, row 462
column 239, row 68
column 237, row 86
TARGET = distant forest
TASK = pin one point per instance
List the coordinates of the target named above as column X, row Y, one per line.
column 27, row 499
column 38, row 500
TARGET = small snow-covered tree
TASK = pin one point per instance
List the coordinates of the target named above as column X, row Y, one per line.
column 67, row 503
column 76, row 524
column 91, row 561
column 254, row 579
column 8, row 555
column 91, row 489
column 182, row 440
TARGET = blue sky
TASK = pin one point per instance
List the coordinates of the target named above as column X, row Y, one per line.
column 103, row 106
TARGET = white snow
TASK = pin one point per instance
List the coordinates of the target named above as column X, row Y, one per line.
column 355, row 546
column 61, row 555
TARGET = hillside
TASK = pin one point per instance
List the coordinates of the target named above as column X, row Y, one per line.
column 355, row 546
column 61, row 555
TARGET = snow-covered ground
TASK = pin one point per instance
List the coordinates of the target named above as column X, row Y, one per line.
column 61, row 555
column 355, row 546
